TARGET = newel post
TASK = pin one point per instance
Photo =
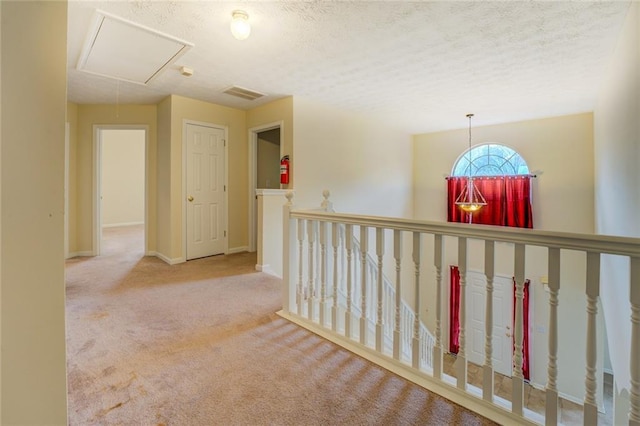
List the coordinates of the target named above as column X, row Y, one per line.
column 288, row 256
column 326, row 205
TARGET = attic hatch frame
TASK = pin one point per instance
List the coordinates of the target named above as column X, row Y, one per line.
column 101, row 22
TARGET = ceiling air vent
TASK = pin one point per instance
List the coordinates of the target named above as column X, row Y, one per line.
column 127, row 51
column 243, row 93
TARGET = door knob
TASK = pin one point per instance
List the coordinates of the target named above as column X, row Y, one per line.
column 507, row 334
column 190, row 198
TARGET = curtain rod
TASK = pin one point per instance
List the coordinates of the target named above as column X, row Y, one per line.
column 446, row 177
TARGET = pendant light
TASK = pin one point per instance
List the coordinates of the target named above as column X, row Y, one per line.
column 470, row 199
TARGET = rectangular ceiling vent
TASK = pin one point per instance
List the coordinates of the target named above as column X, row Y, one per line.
column 243, row 93
column 121, row 49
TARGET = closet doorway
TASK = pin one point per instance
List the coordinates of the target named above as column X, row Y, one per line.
column 265, row 150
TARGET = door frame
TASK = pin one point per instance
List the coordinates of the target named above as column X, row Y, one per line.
column 183, row 196
column 67, row 150
column 253, row 165
column 97, row 182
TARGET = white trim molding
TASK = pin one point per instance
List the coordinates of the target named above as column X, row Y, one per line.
column 80, row 254
column 166, row 259
column 272, row 192
column 241, row 249
column 115, row 225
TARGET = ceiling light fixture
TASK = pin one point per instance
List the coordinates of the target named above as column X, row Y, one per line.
column 240, row 27
column 470, row 199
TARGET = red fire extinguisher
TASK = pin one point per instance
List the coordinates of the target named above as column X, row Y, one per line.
column 284, row 170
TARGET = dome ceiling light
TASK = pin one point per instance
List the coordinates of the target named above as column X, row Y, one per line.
column 240, row 27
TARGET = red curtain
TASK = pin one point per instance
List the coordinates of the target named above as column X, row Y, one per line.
column 508, row 201
column 454, row 187
column 454, row 310
column 517, row 193
column 525, row 327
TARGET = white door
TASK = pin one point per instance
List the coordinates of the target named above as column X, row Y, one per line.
column 501, row 341
column 205, row 191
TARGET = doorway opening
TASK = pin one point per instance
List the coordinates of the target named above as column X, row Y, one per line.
column 268, row 159
column 120, row 207
column 265, row 150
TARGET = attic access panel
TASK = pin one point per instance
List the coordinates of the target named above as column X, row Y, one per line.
column 124, row 50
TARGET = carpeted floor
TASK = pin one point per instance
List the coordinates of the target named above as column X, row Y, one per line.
column 200, row 344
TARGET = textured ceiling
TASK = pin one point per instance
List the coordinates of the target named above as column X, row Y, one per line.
column 422, row 65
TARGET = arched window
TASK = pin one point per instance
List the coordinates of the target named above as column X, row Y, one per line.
column 502, row 177
column 490, row 160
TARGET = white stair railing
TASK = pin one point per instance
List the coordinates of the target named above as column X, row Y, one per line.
column 362, row 313
column 407, row 315
column 322, row 299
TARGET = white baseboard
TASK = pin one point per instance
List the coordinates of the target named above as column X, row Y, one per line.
column 114, row 225
column 241, row 249
column 166, row 259
column 80, row 254
column 267, row 270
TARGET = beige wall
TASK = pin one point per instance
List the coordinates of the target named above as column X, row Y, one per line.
column 617, row 193
column 33, row 365
column 237, row 157
column 164, row 171
column 365, row 164
column 123, row 176
column 88, row 117
column 561, row 150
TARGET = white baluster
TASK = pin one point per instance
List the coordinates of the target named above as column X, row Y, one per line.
column 397, row 254
column 517, row 380
column 334, row 307
column 590, row 406
column 380, row 253
column 323, row 272
column 349, row 245
column 289, row 259
column 311, row 288
column 389, row 311
column 489, row 271
column 415, row 355
column 300, row 266
column 438, row 245
column 342, row 248
column 551, row 391
column 461, row 359
column 364, row 246
column 634, row 298
column 372, row 293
